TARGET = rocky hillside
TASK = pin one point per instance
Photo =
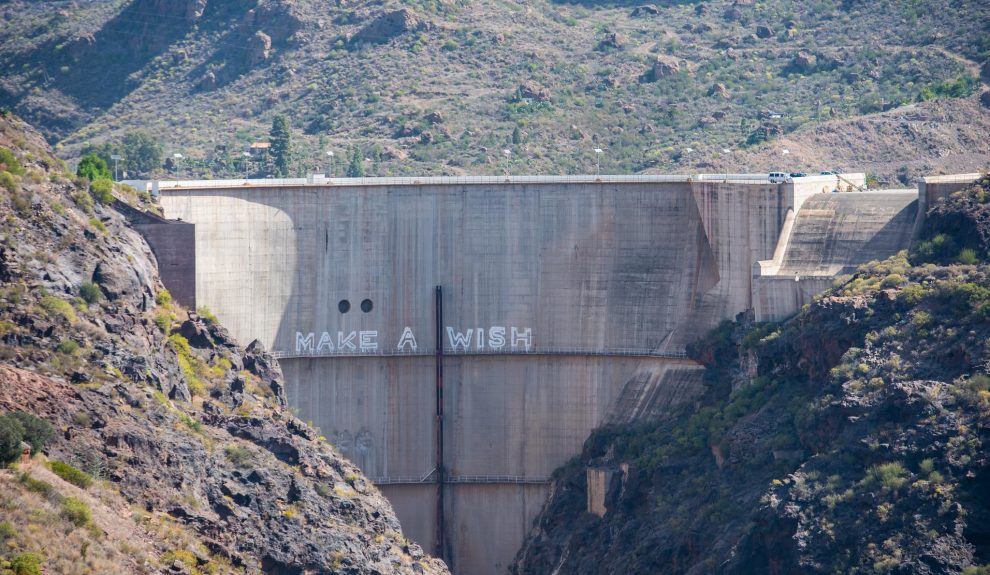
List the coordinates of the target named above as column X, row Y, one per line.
column 171, row 448
column 850, row 439
column 443, row 86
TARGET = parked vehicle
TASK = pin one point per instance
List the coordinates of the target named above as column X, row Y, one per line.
column 778, row 177
column 798, row 175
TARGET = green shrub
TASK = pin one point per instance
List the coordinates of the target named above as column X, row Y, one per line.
column 68, row 347
column 84, row 201
column 96, row 223
column 92, row 167
column 90, row 292
column 76, row 511
column 890, row 476
column 71, row 474
column 207, row 315
column 26, row 564
column 35, row 485
column 9, row 163
column 11, row 436
column 967, row 256
column 9, row 182
column 893, row 280
column 36, row 430
column 911, row 295
column 7, row 531
column 239, row 455
column 58, row 307
column 164, row 321
column 102, row 190
column 163, row 298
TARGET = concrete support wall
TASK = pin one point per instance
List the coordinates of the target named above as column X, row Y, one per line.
column 174, row 245
column 618, row 268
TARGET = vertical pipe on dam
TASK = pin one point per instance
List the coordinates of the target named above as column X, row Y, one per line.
column 439, row 423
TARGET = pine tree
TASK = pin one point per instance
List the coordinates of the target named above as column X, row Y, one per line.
column 355, row 168
column 281, row 145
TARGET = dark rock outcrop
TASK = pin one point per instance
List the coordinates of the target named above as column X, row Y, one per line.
column 388, row 26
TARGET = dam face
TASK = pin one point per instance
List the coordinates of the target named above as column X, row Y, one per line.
column 566, row 302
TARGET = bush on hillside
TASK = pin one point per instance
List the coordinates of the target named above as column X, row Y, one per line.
column 21, row 426
column 70, row 474
column 102, row 190
column 90, row 292
column 9, row 163
column 92, row 167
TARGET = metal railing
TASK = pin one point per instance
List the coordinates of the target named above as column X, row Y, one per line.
column 462, row 479
column 179, row 185
column 573, row 351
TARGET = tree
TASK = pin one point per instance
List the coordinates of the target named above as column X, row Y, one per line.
column 142, row 153
column 355, row 168
column 281, row 144
column 92, row 167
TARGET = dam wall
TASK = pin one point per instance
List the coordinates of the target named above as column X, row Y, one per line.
column 567, row 302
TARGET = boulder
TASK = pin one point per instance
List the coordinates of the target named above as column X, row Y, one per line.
column 388, row 26
column 611, row 41
column 764, row 31
column 645, row 10
column 664, row 66
column 531, row 90
column 985, row 99
column 805, row 62
column 259, row 48
column 719, row 90
column 208, row 81
column 115, row 281
column 434, row 118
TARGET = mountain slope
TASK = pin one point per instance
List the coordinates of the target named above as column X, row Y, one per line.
column 850, row 439
column 442, row 86
column 160, row 405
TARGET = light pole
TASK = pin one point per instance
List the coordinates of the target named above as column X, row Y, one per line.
column 506, row 152
column 330, row 161
column 115, row 158
column 247, row 164
column 177, row 157
column 598, row 161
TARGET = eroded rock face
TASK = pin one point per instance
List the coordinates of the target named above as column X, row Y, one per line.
column 645, row 10
column 259, row 48
column 256, row 485
column 389, row 25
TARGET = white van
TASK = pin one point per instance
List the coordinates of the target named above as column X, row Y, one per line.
column 778, row 177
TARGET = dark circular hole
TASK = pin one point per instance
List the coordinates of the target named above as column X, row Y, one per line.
column 344, row 306
column 366, row 305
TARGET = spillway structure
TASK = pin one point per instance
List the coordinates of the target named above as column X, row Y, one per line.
column 459, row 338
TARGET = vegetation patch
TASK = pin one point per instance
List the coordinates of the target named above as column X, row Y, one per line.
column 71, row 474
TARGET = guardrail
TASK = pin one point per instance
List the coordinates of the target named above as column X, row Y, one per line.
column 675, row 354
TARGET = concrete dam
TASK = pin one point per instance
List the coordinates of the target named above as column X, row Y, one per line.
column 459, row 338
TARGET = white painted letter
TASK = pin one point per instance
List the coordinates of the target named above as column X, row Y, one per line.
column 304, row 343
column 459, row 339
column 496, row 337
column 407, row 338
column 325, row 342
column 481, row 339
column 525, row 336
column 348, row 341
column 367, row 339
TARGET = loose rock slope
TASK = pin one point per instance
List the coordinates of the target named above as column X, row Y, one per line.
column 850, row 439
column 199, row 465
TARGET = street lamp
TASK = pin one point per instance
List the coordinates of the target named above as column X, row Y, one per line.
column 247, row 164
column 598, row 161
column 115, row 158
column 506, row 153
column 330, row 160
column 177, row 157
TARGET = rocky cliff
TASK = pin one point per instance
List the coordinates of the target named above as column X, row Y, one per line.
column 850, row 439
column 197, row 462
